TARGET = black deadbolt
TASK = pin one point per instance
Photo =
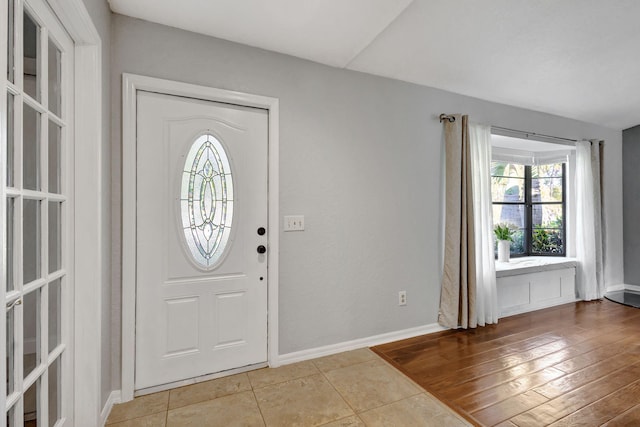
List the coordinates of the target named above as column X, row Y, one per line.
column 261, row 231
column 262, row 249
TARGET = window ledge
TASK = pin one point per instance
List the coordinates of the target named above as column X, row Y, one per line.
column 533, row 264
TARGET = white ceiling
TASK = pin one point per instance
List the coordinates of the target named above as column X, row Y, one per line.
column 573, row 58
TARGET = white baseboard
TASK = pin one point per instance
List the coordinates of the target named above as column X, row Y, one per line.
column 114, row 397
column 614, row 288
column 313, row 353
column 634, row 288
column 623, row 287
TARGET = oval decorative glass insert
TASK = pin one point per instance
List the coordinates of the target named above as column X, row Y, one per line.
column 206, row 200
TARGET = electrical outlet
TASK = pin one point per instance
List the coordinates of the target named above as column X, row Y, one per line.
column 402, row 298
column 294, row 223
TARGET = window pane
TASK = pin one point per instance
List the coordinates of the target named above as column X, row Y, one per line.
column 31, row 32
column 10, row 277
column 547, row 171
column 547, row 216
column 31, row 405
column 54, row 62
column 513, row 215
column 54, row 314
column 507, row 169
column 10, row 40
column 507, row 189
column 31, row 240
column 11, row 417
column 10, row 138
column 55, row 391
column 547, row 241
column 519, row 244
column 31, row 326
column 55, row 134
column 10, row 354
column 55, row 242
column 207, row 200
column 546, row 189
column 507, row 182
column 31, row 148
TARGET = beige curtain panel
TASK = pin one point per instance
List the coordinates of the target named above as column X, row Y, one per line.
column 458, row 294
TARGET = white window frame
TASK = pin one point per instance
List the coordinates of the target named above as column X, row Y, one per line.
column 84, row 351
column 131, row 84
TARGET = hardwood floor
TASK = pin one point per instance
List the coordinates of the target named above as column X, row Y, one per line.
column 571, row 365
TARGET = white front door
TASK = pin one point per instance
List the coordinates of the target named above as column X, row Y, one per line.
column 201, row 269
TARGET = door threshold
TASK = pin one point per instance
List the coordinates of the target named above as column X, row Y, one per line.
column 190, row 381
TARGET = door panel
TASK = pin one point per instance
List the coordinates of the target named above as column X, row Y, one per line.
column 182, row 325
column 197, row 315
column 35, row 210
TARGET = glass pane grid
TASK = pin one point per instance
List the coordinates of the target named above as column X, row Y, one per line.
column 10, row 40
column 31, row 403
column 55, row 391
column 31, row 56
column 34, row 211
column 10, row 138
column 31, row 148
column 530, row 199
column 10, row 362
column 54, row 77
column 31, row 332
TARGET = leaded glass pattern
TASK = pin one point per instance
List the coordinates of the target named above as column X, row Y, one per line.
column 206, row 200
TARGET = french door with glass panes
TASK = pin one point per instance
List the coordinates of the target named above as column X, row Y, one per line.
column 36, row 109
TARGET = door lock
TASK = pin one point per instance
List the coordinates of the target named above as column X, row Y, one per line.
column 261, row 249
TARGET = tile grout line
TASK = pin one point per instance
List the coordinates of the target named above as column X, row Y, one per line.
column 336, row 390
column 458, row 414
column 284, row 381
column 368, row 409
column 134, row 418
column 258, row 405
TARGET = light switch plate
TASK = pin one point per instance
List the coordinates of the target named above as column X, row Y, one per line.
column 294, row 223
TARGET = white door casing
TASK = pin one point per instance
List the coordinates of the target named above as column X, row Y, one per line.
column 198, row 315
column 132, row 85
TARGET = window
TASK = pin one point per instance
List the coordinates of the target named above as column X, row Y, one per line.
column 531, row 199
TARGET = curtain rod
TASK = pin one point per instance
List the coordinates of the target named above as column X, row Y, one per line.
column 528, row 134
column 452, row 119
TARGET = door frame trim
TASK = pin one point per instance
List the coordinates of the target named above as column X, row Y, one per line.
column 131, row 84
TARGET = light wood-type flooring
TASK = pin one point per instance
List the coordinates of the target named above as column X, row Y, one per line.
column 571, row 365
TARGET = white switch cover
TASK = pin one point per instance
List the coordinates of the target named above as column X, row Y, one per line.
column 294, row 223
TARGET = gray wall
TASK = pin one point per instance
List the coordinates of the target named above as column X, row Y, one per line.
column 101, row 17
column 631, row 190
column 361, row 158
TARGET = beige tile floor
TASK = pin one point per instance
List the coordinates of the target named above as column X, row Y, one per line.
column 351, row 389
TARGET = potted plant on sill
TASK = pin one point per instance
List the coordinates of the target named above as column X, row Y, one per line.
column 504, row 236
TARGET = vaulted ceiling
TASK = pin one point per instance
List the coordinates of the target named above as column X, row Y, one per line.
column 573, row 58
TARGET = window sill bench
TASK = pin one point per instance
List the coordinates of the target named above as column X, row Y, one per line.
column 531, row 283
column 533, row 264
